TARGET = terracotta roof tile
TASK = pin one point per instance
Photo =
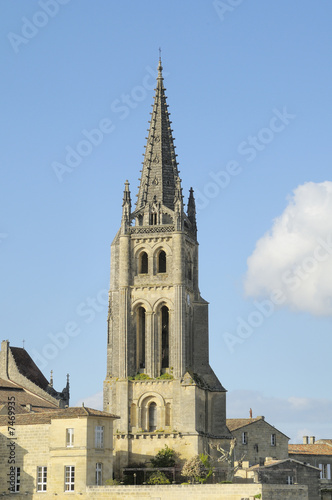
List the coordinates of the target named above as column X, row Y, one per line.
column 309, row 449
column 237, row 423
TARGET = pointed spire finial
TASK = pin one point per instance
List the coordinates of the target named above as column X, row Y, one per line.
column 160, row 68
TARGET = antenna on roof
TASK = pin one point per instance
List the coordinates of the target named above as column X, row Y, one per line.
column 23, row 343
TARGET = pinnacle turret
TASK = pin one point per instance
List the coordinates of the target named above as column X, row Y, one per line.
column 126, row 209
column 191, row 211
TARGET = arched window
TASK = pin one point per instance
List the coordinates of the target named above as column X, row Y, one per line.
column 143, row 263
column 152, row 417
column 164, row 337
column 140, row 338
column 162, row 262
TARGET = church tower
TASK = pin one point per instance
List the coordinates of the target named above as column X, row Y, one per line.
column 158, row 375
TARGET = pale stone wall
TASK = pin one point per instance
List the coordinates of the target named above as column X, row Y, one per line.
column 45, row 445
column 259, row 435
column 184, row 492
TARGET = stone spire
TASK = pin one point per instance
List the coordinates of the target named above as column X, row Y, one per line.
column 160, row 172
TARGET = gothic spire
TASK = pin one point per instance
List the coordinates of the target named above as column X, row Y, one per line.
column 160, row 171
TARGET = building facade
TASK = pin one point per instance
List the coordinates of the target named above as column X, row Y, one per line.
column 257, row 440
column 158, row 374
column 55, row 451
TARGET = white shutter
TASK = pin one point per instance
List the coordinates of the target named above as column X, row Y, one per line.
column 321, row 470
column 328, row 471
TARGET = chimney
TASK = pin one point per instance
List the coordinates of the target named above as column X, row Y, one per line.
column 312, row 440
column 305, row 439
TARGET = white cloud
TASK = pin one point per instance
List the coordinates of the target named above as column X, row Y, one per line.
column 295, row 256
column 94, row 401
column 294, row 416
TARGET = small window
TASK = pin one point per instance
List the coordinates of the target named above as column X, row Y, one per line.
column 15, row 479
column 273, row 440
column 162, row 262
column 244, row 438
column 325, row 471
column 99, row 436
column 69, row 478
column 41, row 478
column 69, row 438
column 143, row 263
column 290, row 479
column 99, row 474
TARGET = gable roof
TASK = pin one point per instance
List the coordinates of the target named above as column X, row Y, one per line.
column 27, row 367
column 238, row 423
column 45, row 417
column 273, row 463
column 22, row 397
column 309, row 449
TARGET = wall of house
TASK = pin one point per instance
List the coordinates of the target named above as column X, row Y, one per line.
column 44, row 445
column 301, row 474
column 259, row 435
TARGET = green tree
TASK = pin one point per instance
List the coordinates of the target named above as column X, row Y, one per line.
column 164, row 458
column 158, row 477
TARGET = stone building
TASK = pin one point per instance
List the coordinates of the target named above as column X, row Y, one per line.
column 20, row 376
column 54, row 451
column 257, row 440
column 291, row 472
column 158, row 375
column 318, row 454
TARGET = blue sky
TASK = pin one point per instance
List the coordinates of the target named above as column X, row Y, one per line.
column 249, row 91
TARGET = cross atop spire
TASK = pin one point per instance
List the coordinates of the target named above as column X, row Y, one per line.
column 160, row 171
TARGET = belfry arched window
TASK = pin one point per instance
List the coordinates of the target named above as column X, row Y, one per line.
column 143, row 266
column 164, row 337
column 152, row 416
column 140, row 326
column 162, row 262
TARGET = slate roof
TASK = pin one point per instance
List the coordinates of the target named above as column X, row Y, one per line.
column 309, row 449
column 22, row 397
column 27, row 367
column 46, row 417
